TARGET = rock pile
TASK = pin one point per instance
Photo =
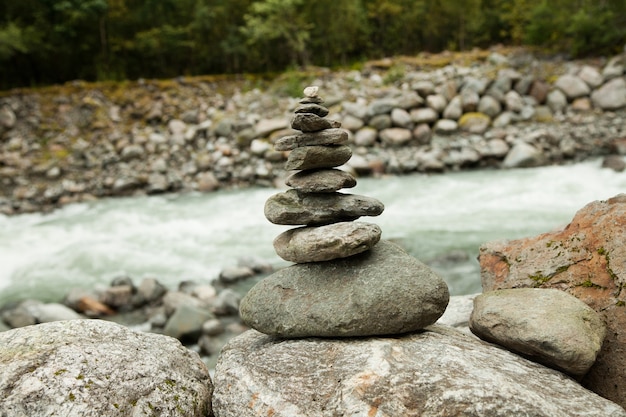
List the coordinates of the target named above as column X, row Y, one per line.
column 345, row 282
column 314, row 200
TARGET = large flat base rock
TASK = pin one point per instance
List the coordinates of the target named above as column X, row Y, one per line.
column 381, row 291
column 438, row 373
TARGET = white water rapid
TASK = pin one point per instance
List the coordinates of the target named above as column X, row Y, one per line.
column 192, row 237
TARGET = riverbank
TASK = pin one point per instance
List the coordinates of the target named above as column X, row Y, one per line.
column 81, row 142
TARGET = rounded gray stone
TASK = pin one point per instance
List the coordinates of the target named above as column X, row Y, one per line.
column 294, row 208
column 321, row 181
column 94, row 368
column 324, row 137
column 382, row 291
column 312, row 157
column 548, row 325
column 321, row 111
column 324, row 243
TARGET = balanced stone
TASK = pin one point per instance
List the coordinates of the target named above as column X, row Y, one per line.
column 312, row 157
column 320, row 181
column 378, row 292
column 324, row 137
column 309, row 122
column 294, row 208
column 321, row 111
column 324, row 243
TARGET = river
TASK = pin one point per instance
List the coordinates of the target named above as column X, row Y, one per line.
column 194, row 236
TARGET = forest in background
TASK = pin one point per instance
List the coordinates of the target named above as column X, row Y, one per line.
column 53, row 41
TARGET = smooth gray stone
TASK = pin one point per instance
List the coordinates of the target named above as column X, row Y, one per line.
column 321, row 181
column 309, row 122
column 324, row 137
column 313, row 157
column 294, row 208
column 324, row 243
column 321, row 111
column 436, row 373
column 549, row 326
column 381, row 291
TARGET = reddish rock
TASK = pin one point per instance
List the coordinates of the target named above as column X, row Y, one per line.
column 586, row 259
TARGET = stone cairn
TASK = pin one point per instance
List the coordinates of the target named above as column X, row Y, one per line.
column 345, row 281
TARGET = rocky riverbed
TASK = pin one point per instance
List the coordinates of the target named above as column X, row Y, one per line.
column 81, row 141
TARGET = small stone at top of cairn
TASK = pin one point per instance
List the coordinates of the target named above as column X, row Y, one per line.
column 327, row 216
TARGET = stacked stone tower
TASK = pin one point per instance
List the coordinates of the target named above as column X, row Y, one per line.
column 314, row 201
column 345, row 281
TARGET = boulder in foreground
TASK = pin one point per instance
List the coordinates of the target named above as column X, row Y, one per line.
column 93, row 368
column 437, row 373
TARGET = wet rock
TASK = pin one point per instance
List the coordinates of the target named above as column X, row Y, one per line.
column 186, row 322
column 522, row 154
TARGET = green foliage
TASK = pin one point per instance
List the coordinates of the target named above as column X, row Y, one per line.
column 50, row 41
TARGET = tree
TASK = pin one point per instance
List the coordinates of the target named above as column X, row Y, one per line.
column 270, row 22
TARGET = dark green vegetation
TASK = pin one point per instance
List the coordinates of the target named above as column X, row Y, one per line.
column 52, row 41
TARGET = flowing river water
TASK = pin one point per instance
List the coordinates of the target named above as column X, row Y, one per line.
column 194, row 236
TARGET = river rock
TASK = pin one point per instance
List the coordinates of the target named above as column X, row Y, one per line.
column 345, row 297
column 94, row 368
column 395, row 136
column 321, row 111
column 556, row 101
column 454, row 109
column 324, row 243
column 324, row 137
column 320, row 181
column 187, row 321
column 424, row 115
column 572, row 86
column 586, row 259
column 314, row 157
column 475, row 122
column 437, row 373
column 546, row 325
column 522, row 154
column 610, row 96
column 309, row 122
column 293, row 208
column 445, row 126
column 591, row 76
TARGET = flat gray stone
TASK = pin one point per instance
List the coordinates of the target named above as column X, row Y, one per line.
column 324, row 243
column 549, row 326
column 294, row 208
column 321, row 181
column 313, row 157
column 321, row 111
column 436, row 373
column 324, row 137
column 378, row 292
column 95, row 368
column 309, row 122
